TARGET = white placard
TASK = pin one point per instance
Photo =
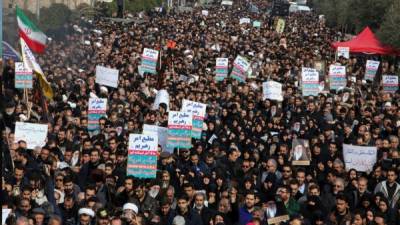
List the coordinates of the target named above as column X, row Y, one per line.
column 343, row 51
column 162, row 133
column 310, row 81
column 143, row 142
column 272, row 90
column 149, row 53
column 4, row 215
column 177, row 119
column 107, row 76
column 227, row 3
column 204, row 12
column 161, row 97
column 361, row 158
column 390, row 83
column 198, row 109
column 244, row 20
column 32, row 133
column 221, row 63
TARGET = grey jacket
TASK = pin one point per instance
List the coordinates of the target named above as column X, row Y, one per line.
column 382, row 187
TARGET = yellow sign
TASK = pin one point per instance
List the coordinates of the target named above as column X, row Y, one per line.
column 280, row 26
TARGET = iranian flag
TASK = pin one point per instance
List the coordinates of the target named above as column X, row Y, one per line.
column 34, row 38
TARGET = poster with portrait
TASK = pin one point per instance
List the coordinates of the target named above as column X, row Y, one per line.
column 300, row 155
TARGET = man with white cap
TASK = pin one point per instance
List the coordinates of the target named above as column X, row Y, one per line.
column 129, row 213
column 86, row 216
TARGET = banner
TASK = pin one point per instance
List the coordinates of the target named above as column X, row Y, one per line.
column 198, row 111
column 162, row 134
column 343, row 51
column 309, row 81
column 97, row 108
column 272, row 90
column 142, row 155
column 23, row 76
column 32, row 133
column 337, row 77
column 280, row 26
column 107, row 76
column 361, row 158
column 240, row 67
column 149, row 61
column 179, row 130
column 221, row 69
column 390, row 83
column 370, row 69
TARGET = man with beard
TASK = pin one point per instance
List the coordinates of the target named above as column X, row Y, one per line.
column 191, row 216
column 205, row 213
column 245, row 212
column 87, row 168
column 167, row 214
column 125, row 193
column 143, row 200
column 68, row 210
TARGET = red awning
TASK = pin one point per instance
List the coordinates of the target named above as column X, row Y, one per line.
column 366, row 42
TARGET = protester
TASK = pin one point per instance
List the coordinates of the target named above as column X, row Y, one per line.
column 240, row 172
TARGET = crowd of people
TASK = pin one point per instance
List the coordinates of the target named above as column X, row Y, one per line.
column 240, row 171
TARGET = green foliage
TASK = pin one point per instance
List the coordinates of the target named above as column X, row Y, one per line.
column 352, row 16
column 390, row 28
column 55, row 16
column 135, row 5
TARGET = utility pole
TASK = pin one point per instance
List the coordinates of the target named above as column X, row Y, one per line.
column 38, row 10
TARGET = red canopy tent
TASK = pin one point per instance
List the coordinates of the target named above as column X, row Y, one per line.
column 366, row 42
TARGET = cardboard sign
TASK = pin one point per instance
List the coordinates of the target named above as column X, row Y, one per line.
column 33, row 134
column 179, row 130
column 300, row 155
column 343, row 51
column 142, row 155
column 107, row 76
column 198, row 111
column 272, row 90
column 221, row 69
column 240, row 67
column 309, row 81
column 278, row 219
column 390, row 83
column 23, row 76
column 337, row 77
column 97, row 109
column 280, row 26
column 370, row 69
column 361, row 158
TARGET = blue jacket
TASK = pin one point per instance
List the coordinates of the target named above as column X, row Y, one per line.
column 244, row 216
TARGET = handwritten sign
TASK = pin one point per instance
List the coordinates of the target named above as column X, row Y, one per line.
column 309, row 81
column 23, row 76
column 390, row 83
column 272, row 90
column 142, row 155
column 337, row 77
column 198, row 111
column 149, row 61
column 161, row 132
column 343, row 51
column 107, row 76
column 361, row 158
column 256, row 24
column 370, row 69
column 221, row 69
column 280, row 26
column 240, row 67
column 244, row 20
column 161, row 97
column 97, row 109
column 278, row 219
column 179, row 130
column 33, row 134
